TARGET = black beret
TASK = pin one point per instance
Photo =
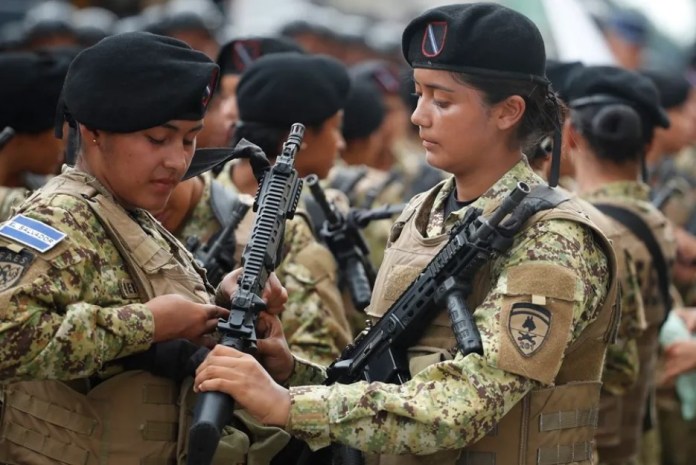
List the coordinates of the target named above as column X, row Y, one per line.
column 30, row 84
column 560, row 73
column 137, row 80
column 484, row 39
column 607, row 84
column 673, row 88
column 382, row 74
column 237, row 55
column 364, row 111
column 285, row 88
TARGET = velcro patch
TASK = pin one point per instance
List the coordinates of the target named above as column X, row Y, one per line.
column 529, row 325
column 32, row 233
column 12, row 266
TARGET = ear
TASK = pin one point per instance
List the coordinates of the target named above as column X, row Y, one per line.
column 570, row 135
column 509, row 112
column 89, row 136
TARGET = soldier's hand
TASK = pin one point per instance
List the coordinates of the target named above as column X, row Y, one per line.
column 178, row 318
column 274, row 294
column 241, row 376
column 273, row 351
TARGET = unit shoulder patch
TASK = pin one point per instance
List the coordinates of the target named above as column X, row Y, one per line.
column 31, row 233
column 529, row 326
column 12, row 266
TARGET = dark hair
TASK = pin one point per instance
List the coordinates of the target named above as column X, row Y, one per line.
column 615, row 132
column 544, row 112
column 268, row 138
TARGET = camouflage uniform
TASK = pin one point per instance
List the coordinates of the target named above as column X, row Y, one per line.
column 314, row 320
column 68, row 313
column 454, row 403
column 10, row 197
column 625, row 414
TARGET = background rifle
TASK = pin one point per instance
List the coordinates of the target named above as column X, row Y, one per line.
column 277, row 198
column 217, row 255
column 347, row 245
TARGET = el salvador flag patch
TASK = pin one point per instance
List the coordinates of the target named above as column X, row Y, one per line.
column 32, row 233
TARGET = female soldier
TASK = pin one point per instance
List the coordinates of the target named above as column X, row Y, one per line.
column 479, row 73
column 614, row 113
column 90, row 278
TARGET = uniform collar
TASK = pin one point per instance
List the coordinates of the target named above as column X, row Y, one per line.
column 632, row 190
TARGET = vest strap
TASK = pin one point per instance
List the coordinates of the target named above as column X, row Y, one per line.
column 59, row 451
column 567, row 453
column 157, row 461
column 53, row 413
column 568, row 419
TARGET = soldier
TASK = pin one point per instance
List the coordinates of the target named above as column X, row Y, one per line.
column 30, row 86
column 614, row 113
column 93, row 287
column 479, row 73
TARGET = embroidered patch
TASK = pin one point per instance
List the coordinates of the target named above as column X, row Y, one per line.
column 434, row 38
column 209, row 89
column 12, row 266
column 32, row 233
column 529, row 325
column 128, row 289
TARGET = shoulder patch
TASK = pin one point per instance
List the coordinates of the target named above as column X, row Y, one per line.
column 529, row 325
column 32, row 233
column 12, row 266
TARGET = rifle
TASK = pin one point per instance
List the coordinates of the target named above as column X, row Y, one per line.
column 217, row 255
column 276, row 199
column 675, row 186
column 380, row 352
column 347, row 245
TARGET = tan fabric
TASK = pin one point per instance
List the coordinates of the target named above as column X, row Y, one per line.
column 131, row 418
column 553, row 425
column 625, row 413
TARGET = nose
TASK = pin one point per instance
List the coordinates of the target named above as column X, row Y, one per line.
column 340, row 143
column 419, row 116
column 178, row 159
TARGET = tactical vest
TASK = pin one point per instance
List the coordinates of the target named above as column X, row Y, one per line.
column 622, row 417
column 548, row 426
column 132, row 418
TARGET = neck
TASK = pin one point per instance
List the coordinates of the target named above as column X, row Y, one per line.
column 475, row 182
column 243, row 177
column 591, row 174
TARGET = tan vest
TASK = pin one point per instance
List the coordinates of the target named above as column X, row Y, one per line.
column 621, row 421
column 130, row 419
column 549, row 426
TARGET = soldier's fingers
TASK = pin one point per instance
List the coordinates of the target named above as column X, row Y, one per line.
column 214, row 312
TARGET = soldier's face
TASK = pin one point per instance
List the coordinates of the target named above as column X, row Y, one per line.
column 454, row 121
column 141, row 169
column 322, row 147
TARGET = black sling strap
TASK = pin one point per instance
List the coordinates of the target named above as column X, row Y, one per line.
column 637, row 226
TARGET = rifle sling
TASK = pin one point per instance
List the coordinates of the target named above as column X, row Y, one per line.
column 642, row 231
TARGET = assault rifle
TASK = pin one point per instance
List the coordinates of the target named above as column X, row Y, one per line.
column 380, row 352
column 347, row 245
column 276, row 199
column 217, row 255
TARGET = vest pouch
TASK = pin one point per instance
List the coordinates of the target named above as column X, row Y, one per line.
column 46, row 423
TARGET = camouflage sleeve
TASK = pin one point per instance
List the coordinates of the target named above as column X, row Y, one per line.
column 48, row 327
column 314, row 320
column 621, row 365
column 454, row 403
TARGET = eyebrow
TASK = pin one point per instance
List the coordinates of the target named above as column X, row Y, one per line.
column 434, row 86
column 177, row 129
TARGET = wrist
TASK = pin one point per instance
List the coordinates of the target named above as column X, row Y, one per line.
column 284, row 380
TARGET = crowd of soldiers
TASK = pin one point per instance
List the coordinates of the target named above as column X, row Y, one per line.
column 109, row 293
